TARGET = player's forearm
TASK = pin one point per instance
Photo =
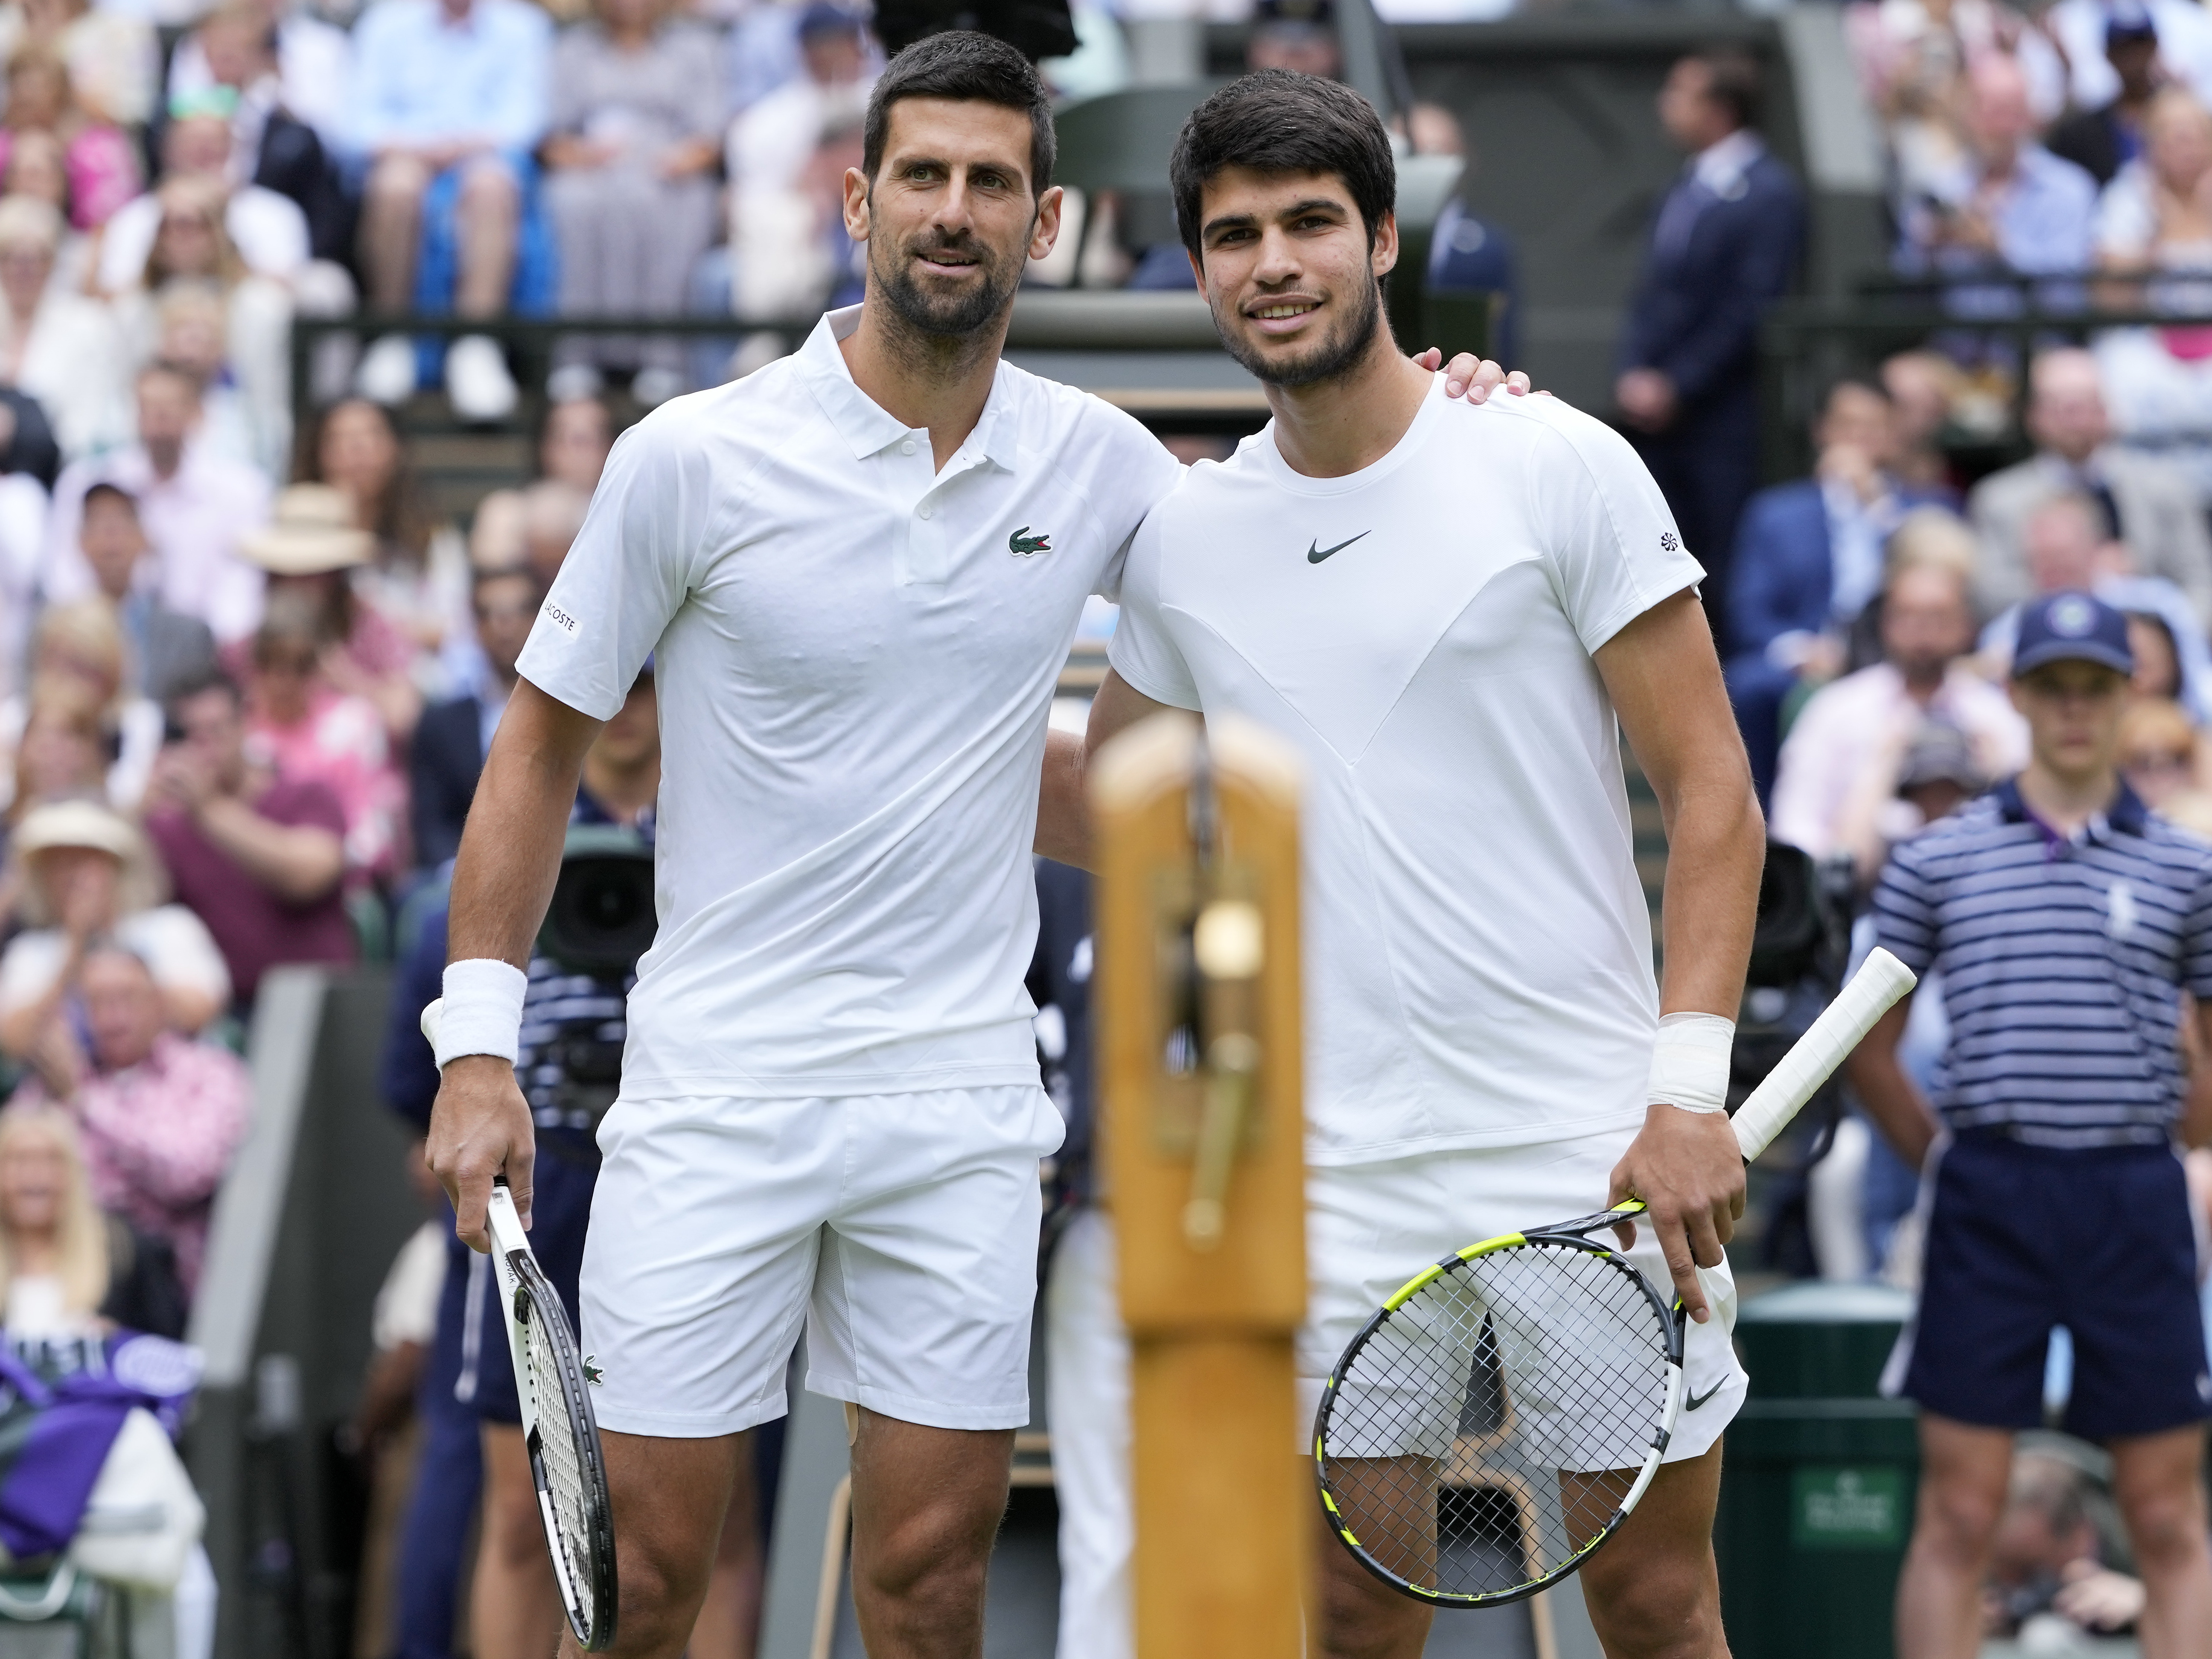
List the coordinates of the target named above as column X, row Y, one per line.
column 1063, row 825
column 510, row 854
column 1715, row 848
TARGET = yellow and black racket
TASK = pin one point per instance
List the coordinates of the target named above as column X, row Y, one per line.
column 1499, row 1417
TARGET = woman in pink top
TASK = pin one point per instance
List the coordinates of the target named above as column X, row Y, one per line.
column 101, row 162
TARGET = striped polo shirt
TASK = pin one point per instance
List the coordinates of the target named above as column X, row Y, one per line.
column 2060, row 959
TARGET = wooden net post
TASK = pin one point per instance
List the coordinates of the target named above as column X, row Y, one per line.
column 1203, row 1132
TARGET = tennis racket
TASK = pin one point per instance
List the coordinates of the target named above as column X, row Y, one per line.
column 558, row 1426
column 1499, row 1417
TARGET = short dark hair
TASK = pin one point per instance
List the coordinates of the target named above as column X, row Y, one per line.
column 105, row 492
column 1276, row 121
column 199, row 684
column 963, row 65
column 1734, row 80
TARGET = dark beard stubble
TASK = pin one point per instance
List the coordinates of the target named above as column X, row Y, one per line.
column 1325, row 361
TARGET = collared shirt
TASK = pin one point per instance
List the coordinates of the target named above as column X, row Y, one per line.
column 1847, row 725
column 1858, row 536
column 193, row 521
column 2061, row 957
column 855, row 652
column 1715, row 174
column 419, row 78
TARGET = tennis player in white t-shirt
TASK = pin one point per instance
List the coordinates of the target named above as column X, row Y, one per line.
column 858, row 572
column 1486, row 1049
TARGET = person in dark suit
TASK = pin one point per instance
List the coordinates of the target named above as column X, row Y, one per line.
column 452, row 740
column 2102, row 141
column 1723, row 247
column 1807, row 561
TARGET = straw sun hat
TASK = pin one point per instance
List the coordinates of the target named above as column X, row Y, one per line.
column 312, row 533
column 65, row 823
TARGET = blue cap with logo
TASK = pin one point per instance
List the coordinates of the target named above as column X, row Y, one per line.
column 2071, row 628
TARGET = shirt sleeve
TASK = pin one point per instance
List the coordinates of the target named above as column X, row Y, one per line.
column 1145, row 651
column 1141, row 472
column 627, row 574
column 1905, row 910
column 1612, row 545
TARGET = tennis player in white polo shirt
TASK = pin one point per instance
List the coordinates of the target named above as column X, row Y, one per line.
column 1487, row 1048
column 859, row 571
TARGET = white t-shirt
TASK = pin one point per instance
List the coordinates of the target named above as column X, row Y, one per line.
column 855, row 655
column 1477, row 949
column 174, row 943
column 268, row 231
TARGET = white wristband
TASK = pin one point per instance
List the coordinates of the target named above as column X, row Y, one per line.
column 484, row 1009
column 1689, row 1062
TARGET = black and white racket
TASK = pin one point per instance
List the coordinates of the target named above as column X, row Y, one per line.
column 558, row 1426
column 1499, row 1417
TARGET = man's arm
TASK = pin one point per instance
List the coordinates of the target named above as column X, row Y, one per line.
column 2195, row 1124
column 1891, row 1097
column 1063, row 830
column 510, row 858
column 1665, row 683
column 298, row 862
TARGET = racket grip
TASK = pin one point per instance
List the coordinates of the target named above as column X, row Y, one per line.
column 433, row 1016
column 1873, row 991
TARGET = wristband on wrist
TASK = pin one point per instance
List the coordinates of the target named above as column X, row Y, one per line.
column 484, row 1009
column 1690, row 1062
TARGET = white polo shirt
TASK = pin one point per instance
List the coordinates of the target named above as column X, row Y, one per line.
column 855, row 655
column 1477, row 954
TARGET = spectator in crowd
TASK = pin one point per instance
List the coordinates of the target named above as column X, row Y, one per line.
column 2080, row 27
column 195, row 507
column 2162, row 752
column 187, row 324
column 2149, row 503
column 1467, row 254
column 164, row 648
column 1847, row 747
column 418, row 576
column 571, row 452
column 1922, row 386
column 1808, row 560
column 2057, row 1197
column 58, row 347
column 634, row 139
column 161, row 1116
column 61, row 756
column 88, row 877
column 552, row 515
column 314, row 70
column 99, row 162
column 1723, row 248
column 2008, row 203
column 270, row 146
column 267, row 232
column 311, row 732
column 448, row 101
column 260, row 858
column 37, row 166
column 82, row 646
column 2048, row 1584
column 2105, row 137
column 450, row 744
column 112, row 55
column 1298, row 35
column 786, row 156
column 65, row 1269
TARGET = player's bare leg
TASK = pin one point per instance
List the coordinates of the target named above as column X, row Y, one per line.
column 927, row 1505
column 514, row 1605
column 2158, row 1483
column 1361, row 1617
column 1654, row 1592
column 670, row 1498
column 728, row 1625
column 1963, row 1472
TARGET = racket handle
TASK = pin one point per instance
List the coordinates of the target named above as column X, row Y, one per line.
column 1873, row 991
column 434, row 1015
column 503, row 1222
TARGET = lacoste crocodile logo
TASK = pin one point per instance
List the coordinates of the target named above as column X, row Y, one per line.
column 1023, row 545
column 1315, row 552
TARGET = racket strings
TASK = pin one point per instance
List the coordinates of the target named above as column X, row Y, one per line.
column 564, row 1471
column 1489, row 1428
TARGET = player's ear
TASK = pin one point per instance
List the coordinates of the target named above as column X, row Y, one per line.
column 856, row 204
column 1045, row 230
column 1383, row 256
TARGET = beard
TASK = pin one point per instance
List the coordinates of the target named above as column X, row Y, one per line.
column 952, row 316
column 1342, row 347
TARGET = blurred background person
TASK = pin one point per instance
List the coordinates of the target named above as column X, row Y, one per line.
column 161, row 647
column 1724, row 246
column 58, row 347
column 447, row 755
column 80, row 647
column 572, row 451
column 65, row 1269
column 2102, row 138
column 2162, row 752
column 1922, row 387
column 313, row 59
column 98, row 157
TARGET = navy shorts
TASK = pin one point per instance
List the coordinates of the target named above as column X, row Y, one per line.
column 560, row 1211
column 2023, row 1238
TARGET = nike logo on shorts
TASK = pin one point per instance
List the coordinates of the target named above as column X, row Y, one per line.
column 1698, row 1400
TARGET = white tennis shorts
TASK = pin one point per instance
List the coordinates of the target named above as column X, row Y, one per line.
column 901, row 1229
column 1372, row 1227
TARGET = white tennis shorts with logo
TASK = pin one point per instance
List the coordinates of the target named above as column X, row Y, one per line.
column 900, row 1230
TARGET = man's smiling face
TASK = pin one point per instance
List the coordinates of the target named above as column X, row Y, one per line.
column 950, row 219
column 1286, row 265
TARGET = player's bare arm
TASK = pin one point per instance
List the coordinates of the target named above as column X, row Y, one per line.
column 1664, row 679
column 503, row 880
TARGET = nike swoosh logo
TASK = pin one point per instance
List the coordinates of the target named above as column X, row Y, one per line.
column 1698, row 1400
column 1316, row 553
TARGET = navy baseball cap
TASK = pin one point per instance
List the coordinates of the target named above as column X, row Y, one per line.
column 2129, row 20
column 2071, row 628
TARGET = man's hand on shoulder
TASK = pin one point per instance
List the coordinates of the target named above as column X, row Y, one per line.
column 1688, row 1170
column 480, row 1127
column 1474, row 378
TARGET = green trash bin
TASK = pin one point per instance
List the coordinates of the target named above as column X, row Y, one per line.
column 1819, row 1477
